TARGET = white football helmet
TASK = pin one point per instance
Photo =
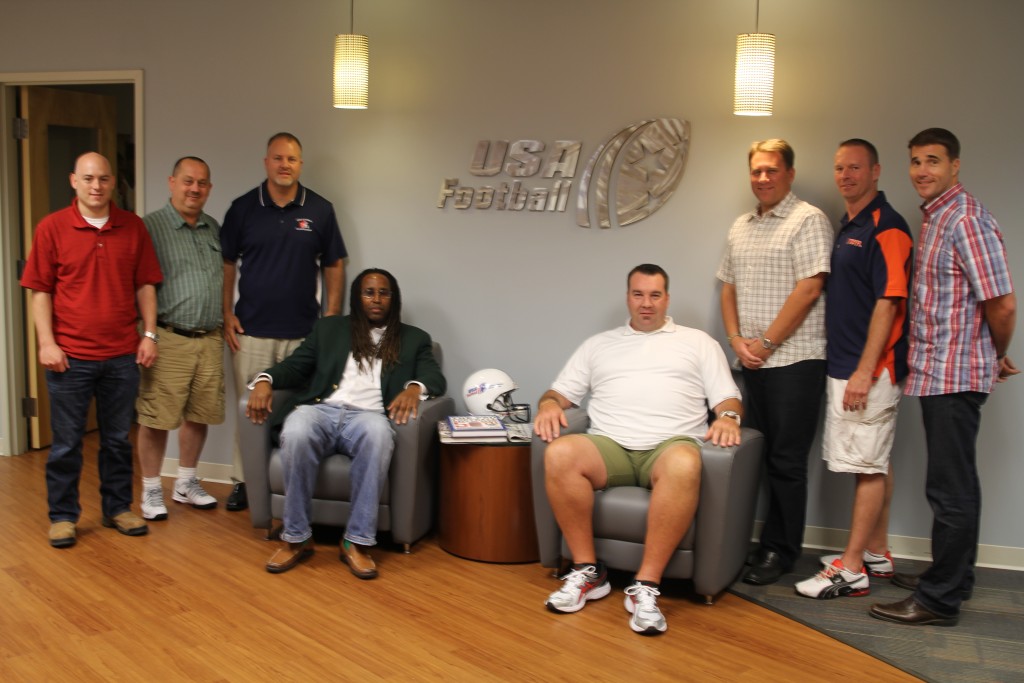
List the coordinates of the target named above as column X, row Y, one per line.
column 489, row 392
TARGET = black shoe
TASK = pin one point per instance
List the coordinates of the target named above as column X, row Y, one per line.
column 768, row 568
column 910, row 581
column 238, row 500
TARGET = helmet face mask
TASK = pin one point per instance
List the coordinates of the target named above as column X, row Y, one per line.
column 489, row 392
column 505, row 407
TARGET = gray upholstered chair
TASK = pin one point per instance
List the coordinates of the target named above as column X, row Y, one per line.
column 407, row 504
column 714, row 548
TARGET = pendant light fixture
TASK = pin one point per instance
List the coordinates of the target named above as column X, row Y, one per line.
column 351, row 67
column 755, row 72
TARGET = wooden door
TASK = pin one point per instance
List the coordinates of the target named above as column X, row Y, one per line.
column 62, row 124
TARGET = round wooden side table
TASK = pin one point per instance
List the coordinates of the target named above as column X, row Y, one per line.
column 486, row 509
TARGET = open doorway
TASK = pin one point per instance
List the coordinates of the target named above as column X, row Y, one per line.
column 54, row 119
column 93, row 116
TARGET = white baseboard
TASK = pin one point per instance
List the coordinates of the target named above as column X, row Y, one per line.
column 815, row 537
column 908, row 547
column 210, row 471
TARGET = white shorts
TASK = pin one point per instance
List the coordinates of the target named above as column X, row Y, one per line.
column 860, row 441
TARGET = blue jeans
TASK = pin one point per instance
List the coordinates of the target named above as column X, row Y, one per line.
column 115, row 384
column 953, row 489
column 313, row 432
column 783, row 403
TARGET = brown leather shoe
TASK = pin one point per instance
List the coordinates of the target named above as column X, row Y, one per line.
column 128, row 523
column 62, row 534
column 910, row 581
column 358, row 560
column 289, row 555
column 909, row 612
column 906, row 581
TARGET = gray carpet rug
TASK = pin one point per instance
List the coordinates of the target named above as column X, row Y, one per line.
column 987, row 644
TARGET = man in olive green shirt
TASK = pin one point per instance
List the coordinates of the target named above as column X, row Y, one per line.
column 184, row 389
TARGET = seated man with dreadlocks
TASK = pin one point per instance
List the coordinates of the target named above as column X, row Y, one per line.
column 353, row 375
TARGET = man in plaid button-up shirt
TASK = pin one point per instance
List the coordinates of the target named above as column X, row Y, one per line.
column 962, row 320
column 773, row 273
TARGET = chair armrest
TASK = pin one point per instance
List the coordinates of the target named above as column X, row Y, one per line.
column 255, row 447
column 549, row 537
column 725, row 513
column 413, row 471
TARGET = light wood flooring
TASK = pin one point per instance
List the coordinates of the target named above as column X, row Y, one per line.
column 192, row 602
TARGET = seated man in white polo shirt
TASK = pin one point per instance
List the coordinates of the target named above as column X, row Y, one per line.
column 650, row 384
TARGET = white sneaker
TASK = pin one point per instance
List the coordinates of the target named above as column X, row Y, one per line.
column 189, row 491
column 153, row 507
column 835, row 581
column 642, row 603
column 578, row 586
column 877, row 566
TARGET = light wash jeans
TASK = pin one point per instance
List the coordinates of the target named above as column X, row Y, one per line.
column 313, row 432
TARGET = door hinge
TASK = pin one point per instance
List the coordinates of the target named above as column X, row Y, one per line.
column 29, row 406
column 20, row 129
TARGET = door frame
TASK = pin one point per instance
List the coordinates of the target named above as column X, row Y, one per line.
column 13, row 426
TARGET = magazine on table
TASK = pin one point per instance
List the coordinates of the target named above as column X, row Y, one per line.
column 494, row 430
column 519, row 432
column 444, row 432
column 473, row 426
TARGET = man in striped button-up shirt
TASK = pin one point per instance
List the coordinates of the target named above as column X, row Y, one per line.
column 184, row 389
column 962, row 319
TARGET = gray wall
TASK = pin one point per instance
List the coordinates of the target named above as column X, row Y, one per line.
column 518, row 290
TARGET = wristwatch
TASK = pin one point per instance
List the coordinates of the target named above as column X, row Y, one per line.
column 152, row 335
column 734, row 415
column 767, row 343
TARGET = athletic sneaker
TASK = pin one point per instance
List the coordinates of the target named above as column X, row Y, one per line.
column 835, row 581
column 578, row 586
column 189, row 491
column 878, row 566
column 153, row 507
column 642, row 603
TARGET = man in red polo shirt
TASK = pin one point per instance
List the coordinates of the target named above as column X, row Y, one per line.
column 91, row 264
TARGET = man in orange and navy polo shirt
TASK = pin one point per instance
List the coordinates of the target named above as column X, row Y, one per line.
column 866, row 330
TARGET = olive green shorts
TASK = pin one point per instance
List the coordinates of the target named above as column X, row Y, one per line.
column 632, row 468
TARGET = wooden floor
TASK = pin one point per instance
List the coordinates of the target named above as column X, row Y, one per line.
column 192, row 602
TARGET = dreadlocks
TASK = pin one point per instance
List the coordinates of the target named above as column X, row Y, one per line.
column 363, row 348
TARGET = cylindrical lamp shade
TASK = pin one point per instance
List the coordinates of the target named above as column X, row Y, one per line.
column 351, row 71
column 755, row 74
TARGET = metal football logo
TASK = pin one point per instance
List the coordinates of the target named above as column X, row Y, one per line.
column 640, row 167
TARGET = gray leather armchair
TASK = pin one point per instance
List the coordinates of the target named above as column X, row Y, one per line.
column 714, row 548
column 407, row 504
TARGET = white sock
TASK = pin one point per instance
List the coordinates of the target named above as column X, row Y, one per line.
column 871, row 555
column 186, row 473
column 151, row 482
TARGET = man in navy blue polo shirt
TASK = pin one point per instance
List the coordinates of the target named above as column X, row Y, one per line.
column 866, row 330
column 279, row 236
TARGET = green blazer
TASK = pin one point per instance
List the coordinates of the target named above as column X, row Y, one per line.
column 315, row 368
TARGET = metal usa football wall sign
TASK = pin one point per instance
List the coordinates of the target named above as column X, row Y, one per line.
column 631, row 175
